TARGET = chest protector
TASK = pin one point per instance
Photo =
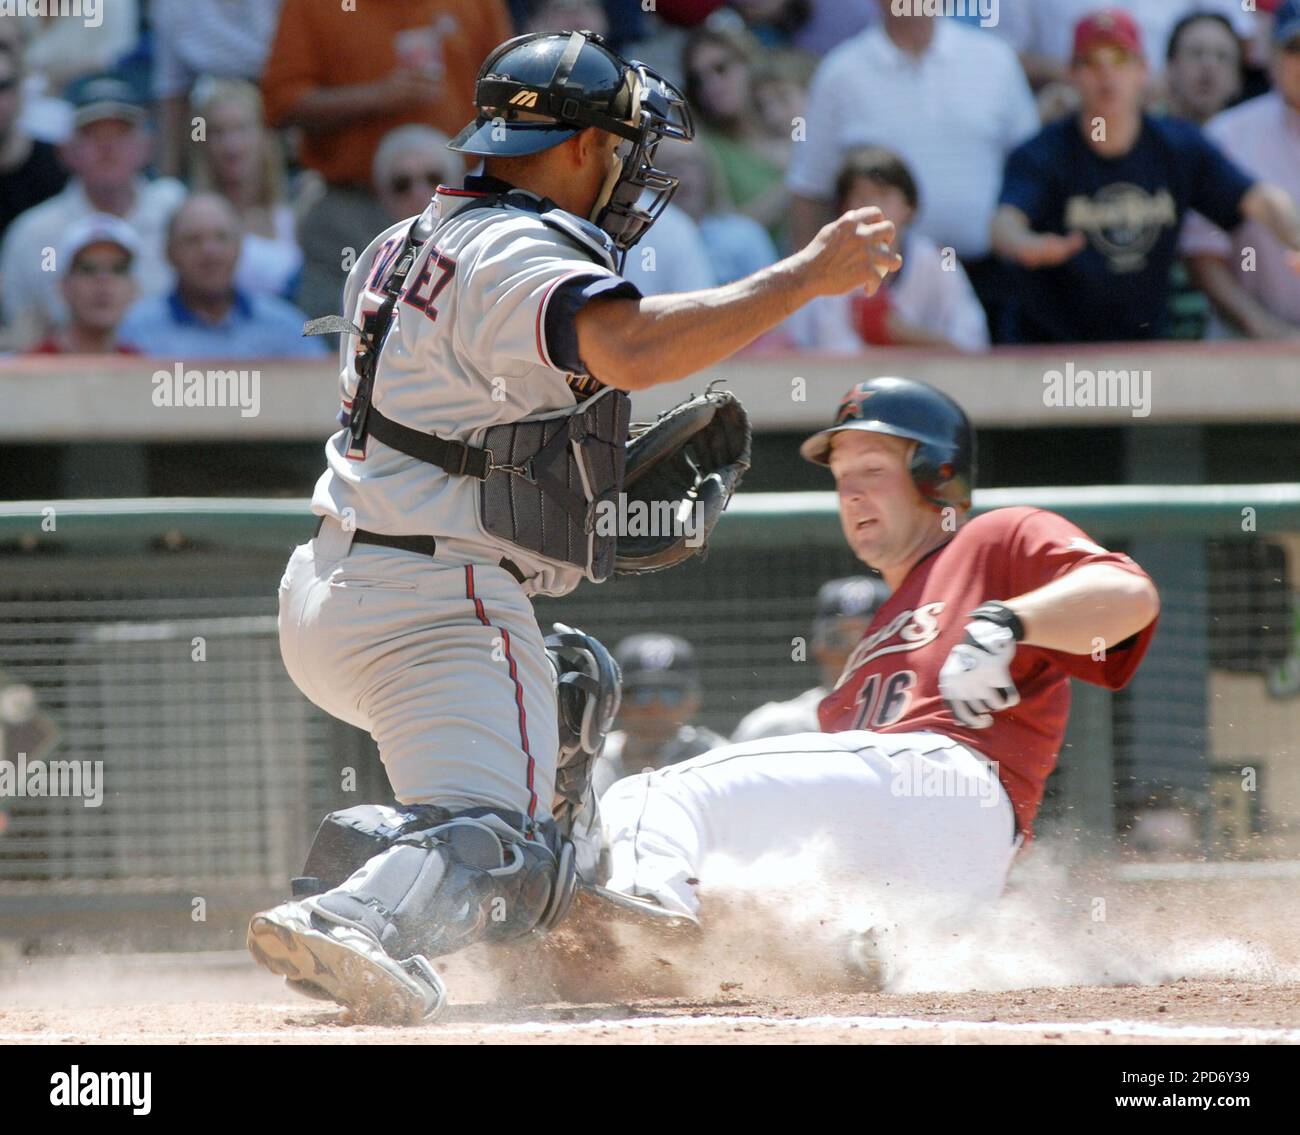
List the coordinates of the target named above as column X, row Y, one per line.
column 545, row 480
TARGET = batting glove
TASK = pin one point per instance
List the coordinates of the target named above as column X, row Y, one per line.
column 975, row 679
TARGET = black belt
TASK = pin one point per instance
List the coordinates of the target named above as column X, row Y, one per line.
column 424, row 545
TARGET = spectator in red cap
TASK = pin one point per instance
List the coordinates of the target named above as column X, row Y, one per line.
column 1042, row 30
column 1091, row 207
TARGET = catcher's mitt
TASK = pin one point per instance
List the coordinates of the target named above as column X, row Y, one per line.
column 681, row 472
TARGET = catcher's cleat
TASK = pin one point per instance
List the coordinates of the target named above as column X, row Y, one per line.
column 345, row 964
column 634, row 910
column 307, row 989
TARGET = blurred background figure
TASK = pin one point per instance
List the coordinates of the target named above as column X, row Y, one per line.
column 735, row 245
column 929, row 302
column 62, row 49
column 207, row 315
column 1092, row 216
column 720, row 65
column 411, row 162
column 95, row 280
column 193, row 39
column 950, row 100
column 845, row 608
column 1203, row 67
column 30, row 170
column 662, row 694
column 343, row 79
column 107, row 154
column 241, row 160
column 1040, row 30
column 671, row 258
column 565, row 15
column 1256, row 294
column 775, row 23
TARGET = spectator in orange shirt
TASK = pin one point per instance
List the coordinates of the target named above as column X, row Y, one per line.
column 97, row 287
column 345, row 77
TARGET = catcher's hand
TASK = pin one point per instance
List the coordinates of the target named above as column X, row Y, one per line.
column 683, row 466
column 975, row 680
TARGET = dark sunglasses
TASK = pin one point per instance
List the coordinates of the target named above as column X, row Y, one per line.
column 403, row 182
column 82, row 268
column 7, row 85
column 641, row 696
column 713, row 70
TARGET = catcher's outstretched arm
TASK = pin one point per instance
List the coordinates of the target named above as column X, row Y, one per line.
column 633, row 344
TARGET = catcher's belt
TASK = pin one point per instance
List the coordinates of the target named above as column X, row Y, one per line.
column 557, row 471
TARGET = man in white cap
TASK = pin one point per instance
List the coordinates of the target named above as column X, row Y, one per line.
column 107, row 154
column 97, row 285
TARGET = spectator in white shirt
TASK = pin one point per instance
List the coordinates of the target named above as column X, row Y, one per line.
column 65, row 48
column 1252, row 279
column 107, row 153
column 240, row 158
column 951, row 100
column 928, row 303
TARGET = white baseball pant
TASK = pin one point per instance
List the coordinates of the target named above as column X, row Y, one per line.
column 916, row 815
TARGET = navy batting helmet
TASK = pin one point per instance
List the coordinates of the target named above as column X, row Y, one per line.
column 943, row 462
column 536, row 91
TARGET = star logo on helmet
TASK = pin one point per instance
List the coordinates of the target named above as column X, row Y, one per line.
column 851, row 407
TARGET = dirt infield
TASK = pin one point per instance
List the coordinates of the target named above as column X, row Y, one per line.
column 1102, row 960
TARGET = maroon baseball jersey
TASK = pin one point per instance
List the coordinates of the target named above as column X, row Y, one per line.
column 891, row 682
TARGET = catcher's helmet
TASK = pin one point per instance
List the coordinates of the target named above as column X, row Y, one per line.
column 943, row 462
column 566, row 82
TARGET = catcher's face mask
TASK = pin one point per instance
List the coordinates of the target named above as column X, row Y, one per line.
column 636, row 192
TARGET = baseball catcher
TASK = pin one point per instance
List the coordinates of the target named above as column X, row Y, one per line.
column 488, row 348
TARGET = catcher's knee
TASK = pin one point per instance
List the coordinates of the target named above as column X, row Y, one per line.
column 465, row 878
column 347, row 839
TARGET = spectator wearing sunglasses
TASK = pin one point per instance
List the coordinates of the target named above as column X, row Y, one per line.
column 845, row 608
column 97, row 286
column 411, row 162
column 661, row 697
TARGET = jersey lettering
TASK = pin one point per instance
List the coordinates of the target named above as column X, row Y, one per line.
column 415, row 294
column 895, row 698
column 914, row 629
column 866, row 700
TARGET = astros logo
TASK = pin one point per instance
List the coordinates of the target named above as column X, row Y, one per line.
column 851, row 408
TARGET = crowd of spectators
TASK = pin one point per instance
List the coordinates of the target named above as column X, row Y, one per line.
column 196, row 177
